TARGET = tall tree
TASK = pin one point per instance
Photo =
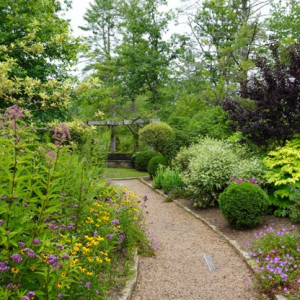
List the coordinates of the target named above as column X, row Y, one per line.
column 102, row 21
column 226, row 32
column 144, row 55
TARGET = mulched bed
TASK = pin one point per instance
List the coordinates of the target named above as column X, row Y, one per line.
column 215, row 217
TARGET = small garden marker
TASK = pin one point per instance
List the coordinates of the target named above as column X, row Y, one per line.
column 209, row 261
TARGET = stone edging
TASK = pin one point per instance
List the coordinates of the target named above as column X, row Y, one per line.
column 251, row 264
column 122, row 179
column 127, row 291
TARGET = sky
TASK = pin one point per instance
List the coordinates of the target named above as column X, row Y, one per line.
column 79, row 7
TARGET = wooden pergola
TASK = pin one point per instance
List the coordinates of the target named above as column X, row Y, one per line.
column 133, row 126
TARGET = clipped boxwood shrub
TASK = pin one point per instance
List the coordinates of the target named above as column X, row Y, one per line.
column 154, row 164
column 157, row 135
column 243, row 205
column 141, row 159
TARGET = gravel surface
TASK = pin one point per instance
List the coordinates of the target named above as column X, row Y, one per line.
column 178, row 271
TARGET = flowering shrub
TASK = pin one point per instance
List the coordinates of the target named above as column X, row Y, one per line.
column 59, row 238
column 256, row 182
column 277, row 254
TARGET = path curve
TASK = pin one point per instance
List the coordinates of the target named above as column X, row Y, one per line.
column 178, row 271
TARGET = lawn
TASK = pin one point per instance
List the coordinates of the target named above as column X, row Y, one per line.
column 122, row 173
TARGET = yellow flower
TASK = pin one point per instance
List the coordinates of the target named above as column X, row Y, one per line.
column 89, row 273
column 90, row 259
column 14, row 270
column 63, row 275
column 107, row 259
column 32, row 268
column 99, row 260
column 59, row 285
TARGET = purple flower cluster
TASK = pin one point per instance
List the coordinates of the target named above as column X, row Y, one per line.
column 30, row 253
column 277, row 257
column 115, row 222
column 17, row 258
column 61, row 134
column 3, row 266
column 14, row 113
column 53, row 260
column 121, row 238
column 250, row 179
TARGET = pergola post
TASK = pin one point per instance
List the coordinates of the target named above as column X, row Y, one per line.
column 113, row 138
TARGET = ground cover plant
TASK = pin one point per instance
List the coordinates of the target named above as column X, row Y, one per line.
column 62, row 231
column 277, row 255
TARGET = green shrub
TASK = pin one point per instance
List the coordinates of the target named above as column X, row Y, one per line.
column 171, row 180
column 243, row 205
column 155, row 162
column 158, row 179
column 157, row 135
column 167, row 179
column 283, row 173
column 208, row 165
column 141, row 159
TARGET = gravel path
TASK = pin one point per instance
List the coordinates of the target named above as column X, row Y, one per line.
column 178, row 271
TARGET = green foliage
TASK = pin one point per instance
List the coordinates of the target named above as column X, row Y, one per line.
column 283, row 173
column 294, row 212
column 208, row 165
column 80, row 132
column 212, row 122
column 36, row 51
column 157, row 135
column 167, row 179
column 55, row 230
column 273, row 248
column 243, row 205
column 171, row 180
column 155, row 162
column 141, row 159
column 158, row 178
